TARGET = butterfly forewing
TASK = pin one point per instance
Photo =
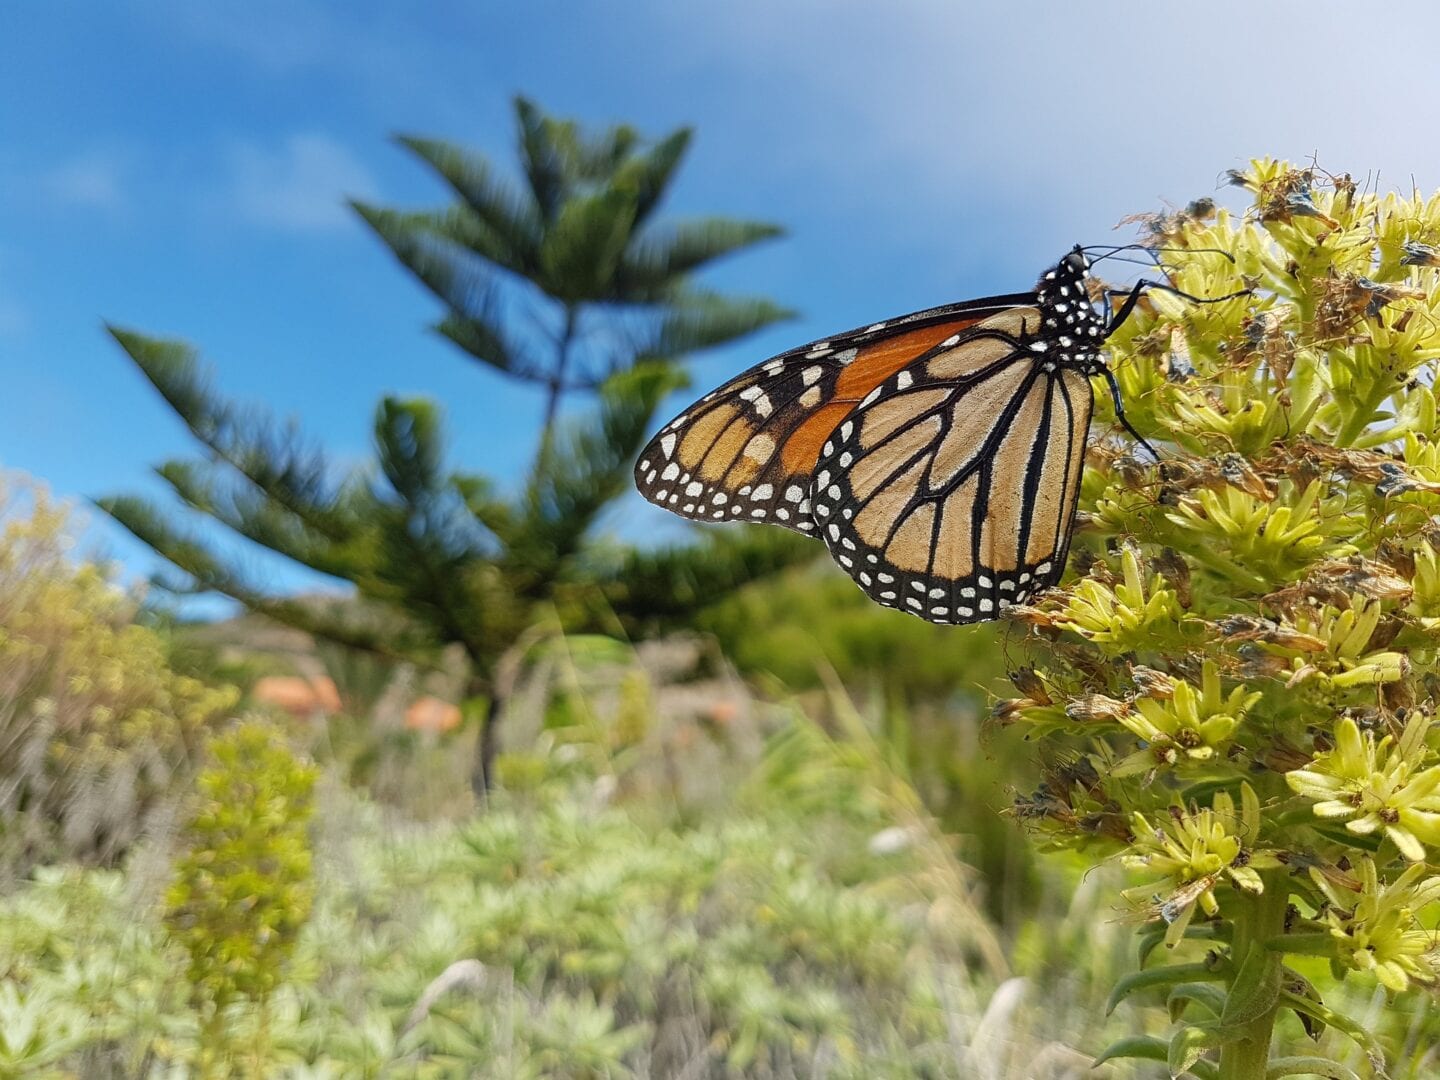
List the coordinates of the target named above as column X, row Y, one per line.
column 748, row 451
column 949, row 492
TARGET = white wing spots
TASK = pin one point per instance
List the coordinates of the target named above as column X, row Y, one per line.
column 912, row 602
column 833, row 491
column 968, row 593
column 953, row 339
column 793, row 493
column 804, row 507
column 865, row 579
column 718, row 514
column 983, row 581
column 772, row 367
column 757, row 397
column 872, row 558
column 965, row 612
column 763, row 493
column 834, row 531
column 675, row 498
column 870, row 397
column 829, row 449
column 758, row 512
column 903, row 380
column 811, row 375
column 849, row 544
column 652, row 477
column 822, row 349
column 846, row 458
column 667, row 445
column 874, row 327
column 674, row 424
column 936, row 594
column 845, row 429
column 918, row 586
column 845, row 561
column 1008, row 585
column 846, row 355
column 689, row 508
column 939, row 611
column 887, row 596
column 822, row 509
column 808, row 526
column 1024, row 577
column 695, row 488
column 720, row 498
column 886, row 579
column 986, row 605
column 782, row 514
column 823, row 479
column 663, row 493
column 810, row 398
column 644, row 466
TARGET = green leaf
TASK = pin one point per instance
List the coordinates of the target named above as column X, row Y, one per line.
column 1352, row 1028
column 1186, row 1046
column 1156, row 978
column 1207, row 995
column 1255, row 989
column 1310, row 1066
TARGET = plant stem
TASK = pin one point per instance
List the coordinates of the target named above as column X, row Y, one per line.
column 1257, row 920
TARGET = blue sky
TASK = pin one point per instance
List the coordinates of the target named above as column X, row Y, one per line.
column 179, row 168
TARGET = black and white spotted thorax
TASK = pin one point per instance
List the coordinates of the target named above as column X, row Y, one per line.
column 1072, row 330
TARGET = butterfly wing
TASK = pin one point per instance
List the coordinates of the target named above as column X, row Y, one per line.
column 950, row 491
column 748, row 450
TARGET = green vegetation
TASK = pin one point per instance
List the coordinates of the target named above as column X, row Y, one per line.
column 242, row 889
column 96, row 730
column 1237, row 693
column 440, row 558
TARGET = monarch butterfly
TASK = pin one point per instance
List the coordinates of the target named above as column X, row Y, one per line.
column 938, row 455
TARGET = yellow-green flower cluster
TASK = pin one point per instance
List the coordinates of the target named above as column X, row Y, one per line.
column 1194, row 850
column 1377, row 786
column 1375, row 926
column 1183, row 722
column 1256, row 618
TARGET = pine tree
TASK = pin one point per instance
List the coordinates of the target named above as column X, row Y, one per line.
column 566, row 282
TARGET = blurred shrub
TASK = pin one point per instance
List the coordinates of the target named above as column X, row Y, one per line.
column 243, row 889
column 96, row 730
column 811, row 616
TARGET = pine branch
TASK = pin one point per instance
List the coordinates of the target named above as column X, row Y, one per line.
column 580, row 471
column 398, row 638
column 272, row 459
column 702, row 320
column 511, row 219
column 664, row 587
column 654, row 264
column 253, row 515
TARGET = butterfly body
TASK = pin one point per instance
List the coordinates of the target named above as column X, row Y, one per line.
column 937, row 455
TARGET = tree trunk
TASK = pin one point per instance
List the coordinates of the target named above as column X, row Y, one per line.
column 488, row 708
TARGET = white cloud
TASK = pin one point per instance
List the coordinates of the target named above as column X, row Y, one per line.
column 91, row 181
column 1062, row 118
column 299, row 186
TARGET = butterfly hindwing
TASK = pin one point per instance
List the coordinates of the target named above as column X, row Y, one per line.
column 949, row 492
column 748, row 450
